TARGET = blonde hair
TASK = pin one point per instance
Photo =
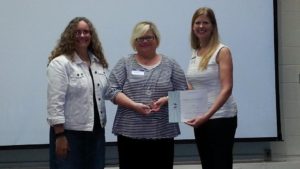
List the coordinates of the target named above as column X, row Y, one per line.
column 214, row 39
column 140, row 29
column 66, row 43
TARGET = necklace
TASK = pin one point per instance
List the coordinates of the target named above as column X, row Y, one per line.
column 150, row 83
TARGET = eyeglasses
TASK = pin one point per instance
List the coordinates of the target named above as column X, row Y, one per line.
column 82, row 32
column 145, row 38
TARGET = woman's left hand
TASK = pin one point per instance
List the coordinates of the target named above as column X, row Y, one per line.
column 156, row 105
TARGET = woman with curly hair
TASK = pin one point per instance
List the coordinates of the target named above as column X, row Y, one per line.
column 77, row 87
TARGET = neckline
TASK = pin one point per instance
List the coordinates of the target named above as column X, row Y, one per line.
column 135, row 57
column 149, row 67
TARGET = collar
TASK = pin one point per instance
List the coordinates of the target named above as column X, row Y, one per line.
column 78, row 60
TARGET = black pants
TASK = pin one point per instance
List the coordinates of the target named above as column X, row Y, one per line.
column 145, row 153
column 215, row 141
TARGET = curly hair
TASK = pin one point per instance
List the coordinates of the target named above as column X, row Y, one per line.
column 66, row 43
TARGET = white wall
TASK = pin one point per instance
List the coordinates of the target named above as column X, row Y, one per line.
column 289, row 69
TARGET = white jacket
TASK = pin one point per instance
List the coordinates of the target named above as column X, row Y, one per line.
column 70, row 92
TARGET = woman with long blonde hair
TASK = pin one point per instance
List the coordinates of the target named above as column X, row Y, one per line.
column 211, row 69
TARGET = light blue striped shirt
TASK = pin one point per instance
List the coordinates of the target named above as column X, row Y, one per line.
column 144, row 85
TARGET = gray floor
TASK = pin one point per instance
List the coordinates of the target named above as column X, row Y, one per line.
column 45, row 166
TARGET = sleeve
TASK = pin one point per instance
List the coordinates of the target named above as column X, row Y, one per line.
column 56, row 92
column 110, row 92
column 117, row 78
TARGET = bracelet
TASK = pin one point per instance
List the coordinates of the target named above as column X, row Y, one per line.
column 61, row 134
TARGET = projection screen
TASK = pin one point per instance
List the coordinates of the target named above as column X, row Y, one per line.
column 30, row 30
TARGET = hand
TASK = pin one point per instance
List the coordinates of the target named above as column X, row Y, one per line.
column 198, row 121
column 142, row 108
column 156, row 105
column 62, row 147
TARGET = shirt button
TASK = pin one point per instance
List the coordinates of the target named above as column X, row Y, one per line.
column 98, row 84
column 99, row 99
column 95, row 72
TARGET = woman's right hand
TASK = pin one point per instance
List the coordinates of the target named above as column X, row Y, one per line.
column 122, row 100
column 142, row 108
column 198, row 121
column 62, row 147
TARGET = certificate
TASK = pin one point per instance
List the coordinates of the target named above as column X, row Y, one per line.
column 187, row 104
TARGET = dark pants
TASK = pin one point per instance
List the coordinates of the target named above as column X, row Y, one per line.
column 87, row 150
column 145, row 153
column 215, row 141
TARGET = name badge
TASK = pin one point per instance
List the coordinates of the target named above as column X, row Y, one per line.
column 193, row 60
column 138, row 72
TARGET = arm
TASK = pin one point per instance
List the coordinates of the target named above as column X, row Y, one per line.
column 122, row 100
column 226, row 79
column 117, row 79
column 57, row 88
column 61, row 142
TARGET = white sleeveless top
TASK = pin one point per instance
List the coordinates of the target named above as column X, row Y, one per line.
column 209, row 79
